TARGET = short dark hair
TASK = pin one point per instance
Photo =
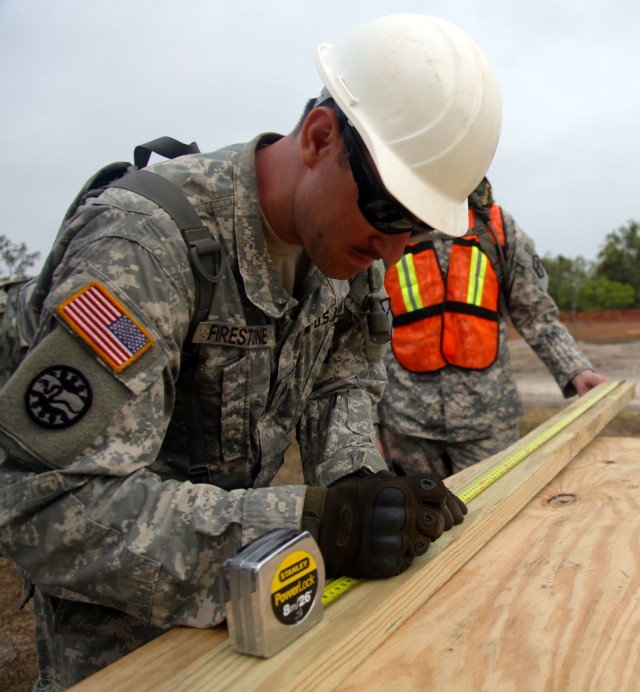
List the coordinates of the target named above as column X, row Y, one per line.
column 309, row 106
column 324, row 99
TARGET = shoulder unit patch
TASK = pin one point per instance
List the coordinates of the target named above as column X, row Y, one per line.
column 58, row 397
column 105, row 325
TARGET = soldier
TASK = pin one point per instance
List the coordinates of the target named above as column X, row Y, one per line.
column 120, row 539
column 12, row 345
column 452, row 398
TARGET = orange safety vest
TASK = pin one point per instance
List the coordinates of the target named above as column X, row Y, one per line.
column 452, row 320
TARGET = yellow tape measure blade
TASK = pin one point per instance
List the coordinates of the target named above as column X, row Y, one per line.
column 493, row 474
column 336, row 588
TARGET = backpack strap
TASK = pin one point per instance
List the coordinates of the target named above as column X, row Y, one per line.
column 206, row 257
column 168, row 147
column 208, row 264
column 205, row 253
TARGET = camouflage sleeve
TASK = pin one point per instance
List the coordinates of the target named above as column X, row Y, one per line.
column 534, row 313
column 82, row 508
column 336, row 433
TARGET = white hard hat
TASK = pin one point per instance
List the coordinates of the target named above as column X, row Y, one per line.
column 426, row 102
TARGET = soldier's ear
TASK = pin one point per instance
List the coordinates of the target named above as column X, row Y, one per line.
column 320, row 135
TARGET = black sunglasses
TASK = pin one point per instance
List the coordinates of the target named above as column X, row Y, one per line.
column 381, row 210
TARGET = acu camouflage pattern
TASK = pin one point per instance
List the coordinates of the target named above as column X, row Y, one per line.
column 12, row 345
column 457, row 405
column 484, row 193
column 441, row 457
column 119, row 545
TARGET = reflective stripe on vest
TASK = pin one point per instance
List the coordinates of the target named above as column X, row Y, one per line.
column 452, row 321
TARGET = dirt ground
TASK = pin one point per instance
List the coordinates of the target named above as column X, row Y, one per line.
column 541, row 397
column 538, row 389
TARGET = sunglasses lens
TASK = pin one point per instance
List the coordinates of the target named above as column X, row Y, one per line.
column 389, row 218
column 384, row 215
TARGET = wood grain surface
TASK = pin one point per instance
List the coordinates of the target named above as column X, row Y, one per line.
column 551, row 603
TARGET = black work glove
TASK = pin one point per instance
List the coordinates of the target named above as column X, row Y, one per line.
column 374, row 526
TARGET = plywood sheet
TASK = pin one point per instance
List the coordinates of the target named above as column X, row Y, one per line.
column 551, row 603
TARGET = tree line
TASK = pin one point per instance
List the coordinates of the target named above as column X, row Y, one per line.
column 611, row 282
column 15, row 259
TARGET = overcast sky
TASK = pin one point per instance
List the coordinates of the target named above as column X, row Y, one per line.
column 83, row 81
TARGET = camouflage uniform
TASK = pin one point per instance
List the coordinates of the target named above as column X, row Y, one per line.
column 471, row 414
column 94, row 500
column 12, row 346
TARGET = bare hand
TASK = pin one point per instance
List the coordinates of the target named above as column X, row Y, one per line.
column 586, row 380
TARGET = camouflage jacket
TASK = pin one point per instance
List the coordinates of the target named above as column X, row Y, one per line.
column 459, row 405
column 94, row 504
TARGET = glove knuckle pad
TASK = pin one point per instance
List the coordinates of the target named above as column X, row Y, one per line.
column 387, row 539
column 385, row 552
column 389, row 511
column 427, row 484
column 430, row 491
column 421, row 546
column 431, row 523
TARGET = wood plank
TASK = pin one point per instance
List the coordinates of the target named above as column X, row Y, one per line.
column 551, row 603
column 358, row 623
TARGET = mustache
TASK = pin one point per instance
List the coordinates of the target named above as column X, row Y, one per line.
column 366, row 252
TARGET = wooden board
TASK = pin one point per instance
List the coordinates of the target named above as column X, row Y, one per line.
column 551, row 603
column 360, row 622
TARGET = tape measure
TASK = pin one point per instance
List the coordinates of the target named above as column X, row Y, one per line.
column 497, row 471
column 336, row 588
column 273, row 591
column 339, row 586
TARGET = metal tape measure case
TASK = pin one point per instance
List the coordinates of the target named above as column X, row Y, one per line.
column 274, row 591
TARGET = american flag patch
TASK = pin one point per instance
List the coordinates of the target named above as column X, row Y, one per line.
column 106, row 325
